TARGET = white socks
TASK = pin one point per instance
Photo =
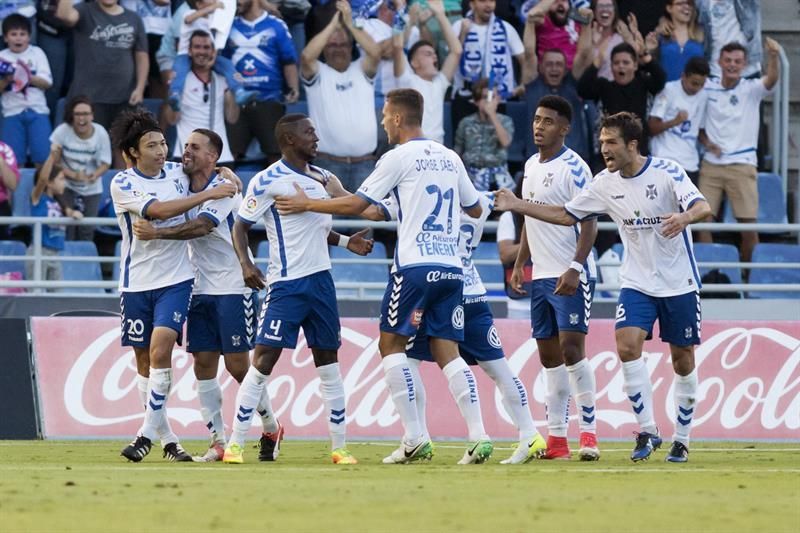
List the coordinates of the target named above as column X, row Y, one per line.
column 250, row 395
column 332, row 390
column 461, row 383
column 582, row 385
column 640, row 393
column 515, row 397
column 156, row 406
column 413, row 365
column 166, row 433
column 210, row 395
column 401, row 386
column 685, row 400
column 269, row 424
column 557, row 401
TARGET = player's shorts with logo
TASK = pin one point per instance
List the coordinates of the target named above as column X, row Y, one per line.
column 430, row 293
column 551, row 313
column 224, row 323
column 308, row 302
column 679, row 317
column 481, row 340
column 144, row 310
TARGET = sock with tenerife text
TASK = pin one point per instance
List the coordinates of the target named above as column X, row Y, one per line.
column 413, row 365
column 402, row 388
column 155, row 411
column 582, row 386
column 332, row 389
column 250, row 394
column 685, row 400
column 557, row 400
column 461, row 382
column 514, row 395
column 640, row 393
column 210, row 395
column 269, row 424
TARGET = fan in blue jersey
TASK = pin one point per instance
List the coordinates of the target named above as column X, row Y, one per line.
column 652, row 202
column 300, row 290
column 155, row 279
column 563, row 279
column 431, row 186
column 221, row 317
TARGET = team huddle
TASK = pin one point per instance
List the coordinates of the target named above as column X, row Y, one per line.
column 186, row 258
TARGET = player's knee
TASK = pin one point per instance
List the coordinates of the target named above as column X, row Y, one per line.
column 264, row 360
column 628, row 351
column 572, row 350
column 324, row 357
column 682, row 359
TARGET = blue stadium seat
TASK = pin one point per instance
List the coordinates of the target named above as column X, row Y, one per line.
column 81, row 271
column 490, row 273
column 21, row 201
column 619, row 249
column 718, row 253
column 353, row 272
column 105, row 197
column 771, row 202
column 12, row 248
column 775, row 253
column 301, row 106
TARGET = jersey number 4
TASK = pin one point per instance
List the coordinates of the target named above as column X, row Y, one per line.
column 430, row 223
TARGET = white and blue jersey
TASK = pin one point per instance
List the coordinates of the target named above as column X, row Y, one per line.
column 147, row 265
column 652, row 264
column 430, row 185
column 555, row 182
column 298, row 243
column 259, row 50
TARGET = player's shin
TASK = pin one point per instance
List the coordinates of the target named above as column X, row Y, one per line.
column 514, row 395
column 421, row 398
column 582, row 386
column 685, row 390
column 402, row 388
column 332, row 390
column 640, row 393
column 210, row 395
column 247, row 400
column 461, row 382
column 156, row 408
column 557, row 401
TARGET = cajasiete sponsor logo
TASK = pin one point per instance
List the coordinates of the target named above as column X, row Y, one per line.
column 749, row 384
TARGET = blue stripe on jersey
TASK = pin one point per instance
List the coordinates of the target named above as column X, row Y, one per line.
column 691, row 258
column 367, row 198
column 244, row 220
column 148, row 204
column 129, row 228
column 281, row 246
column 644, row 167
column 210, row 217
column 229, row 219
column 399, row 219
column 699, row 198
column 751, row 149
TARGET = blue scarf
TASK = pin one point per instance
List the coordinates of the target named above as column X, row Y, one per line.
column 493, row 61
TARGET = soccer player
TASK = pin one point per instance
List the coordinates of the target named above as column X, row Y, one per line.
column 481, row 345
column 429, row 183
column 564, row 276
column 221, row 317
column 300, row 289
column 652, row 200
column 156, row 276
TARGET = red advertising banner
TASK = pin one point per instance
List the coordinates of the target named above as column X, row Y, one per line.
column 749, row 384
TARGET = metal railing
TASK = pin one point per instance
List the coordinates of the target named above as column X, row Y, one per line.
column 369, row 290
column 779, row 139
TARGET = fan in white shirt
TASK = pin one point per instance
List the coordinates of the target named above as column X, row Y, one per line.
column 652, row 201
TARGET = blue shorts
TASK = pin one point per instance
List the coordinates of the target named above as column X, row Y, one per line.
column 429, row 292
column 308, row 302
column 143, row 311
column 27, row 132
column 223, row 323
column 679, row 317
column 481, row 340
column 551, row 313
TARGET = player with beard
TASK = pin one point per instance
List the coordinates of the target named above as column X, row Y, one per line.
column 652, row 201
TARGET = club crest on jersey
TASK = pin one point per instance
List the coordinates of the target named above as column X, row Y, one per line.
column 573, row 318
column 236, row 340
column 651, row 192
column 493, row 337
column 251, row 203
column 176, row 317
column 458, row 317
column 548, row 180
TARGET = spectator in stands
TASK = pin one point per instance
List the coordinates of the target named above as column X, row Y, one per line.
column 727, row 21
column 420, row 71
column 391, row 15
column 636, row 76
column 156, row 16
column 9, row 179
column 205, row 101
column 555, row 30
column 81, row 150
column 198, row 18
column 341, row 97
column 680, row 37
column 111, row 61
column 647, row 12
column 729, row 135
column 55, row 39
column 550, row 76
column 482, row 140
column 49, row 185
column 168, row 50
column 262, row 51
column 429, row 26
column 293, row 13
column 26, row 8
column 602, row 35
column 676, row 116
column 26, row 122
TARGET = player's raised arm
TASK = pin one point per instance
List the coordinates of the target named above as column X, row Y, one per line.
column 554, row 214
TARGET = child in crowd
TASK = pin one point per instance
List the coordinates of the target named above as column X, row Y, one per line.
column 24, row 79
column 198, row 18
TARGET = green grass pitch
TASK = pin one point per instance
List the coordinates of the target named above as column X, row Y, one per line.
column 85, row 486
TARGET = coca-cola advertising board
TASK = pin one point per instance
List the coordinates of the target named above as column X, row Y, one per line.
column 749, row 384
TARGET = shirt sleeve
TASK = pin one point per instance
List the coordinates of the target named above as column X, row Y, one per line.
column 580, row 177
column 468, row 195
column 505, row 227
column 128, row 195
column 217, row 210
column 261, row 192
column 387, row 174
column 685, row 191
column 659, row 109
column 388, row 207
column 514, row 42
column 286, row 49
column 43, row 66
column 586, row 204
column 141, row 35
